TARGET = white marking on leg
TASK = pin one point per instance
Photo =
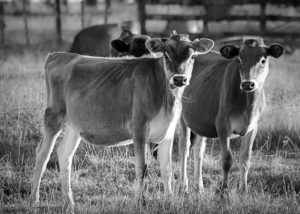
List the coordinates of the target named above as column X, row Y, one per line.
column 165, row 161
column 198, row 150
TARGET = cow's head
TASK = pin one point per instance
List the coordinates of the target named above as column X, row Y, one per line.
column 129, row 44
column 253, row 61
column 179, row 53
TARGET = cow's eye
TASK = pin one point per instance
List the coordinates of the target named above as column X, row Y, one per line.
column 263, row 61
column 193, row 57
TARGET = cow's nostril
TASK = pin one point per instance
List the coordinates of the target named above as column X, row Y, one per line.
column 248, row 86
column 179, row 80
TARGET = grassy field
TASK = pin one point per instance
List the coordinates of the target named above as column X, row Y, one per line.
column 103, row 179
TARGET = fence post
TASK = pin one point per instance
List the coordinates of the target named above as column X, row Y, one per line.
column 263, row 18
column 205, row 19
column 82, row 13
column 2, row 22
column 142, row 15
column 107, row 6
column 58, row 21
column 25, row 16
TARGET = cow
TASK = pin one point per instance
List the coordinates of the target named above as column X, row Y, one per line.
column 114, row 102
column 224, row 100
column 100, row 40
column 129, row 44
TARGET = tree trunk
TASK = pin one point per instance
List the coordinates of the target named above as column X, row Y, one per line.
column 107, row 7
column 82, row 13
column 142, row 15
column 25, row 16
column 58, row 21
column 2, row 22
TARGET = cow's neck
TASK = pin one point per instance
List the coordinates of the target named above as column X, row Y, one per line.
column 172, row 95
column 252, row 100
column 246, row 102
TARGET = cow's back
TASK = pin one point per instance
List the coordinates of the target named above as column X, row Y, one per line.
column 95, row 40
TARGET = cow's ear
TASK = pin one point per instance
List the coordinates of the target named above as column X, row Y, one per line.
column 155, row 45
column 229, row 51
column 120, row 45
column 126, row 35
column 203, row 45
column 275, row 50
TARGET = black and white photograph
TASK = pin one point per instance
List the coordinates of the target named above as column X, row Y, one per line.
column 150, row 106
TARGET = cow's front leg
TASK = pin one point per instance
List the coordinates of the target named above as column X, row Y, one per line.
column 226, row 161
column 245, row 156
column 223, row 129
column 184, row 148
column 198, row 151
column 165, row 161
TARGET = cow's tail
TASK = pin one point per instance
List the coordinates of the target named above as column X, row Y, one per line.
column 63, row 57
column 51, row 57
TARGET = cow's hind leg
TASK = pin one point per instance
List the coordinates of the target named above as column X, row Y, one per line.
column 198, row 151
column 245, row 156
column 52, row 125
column 65, row 152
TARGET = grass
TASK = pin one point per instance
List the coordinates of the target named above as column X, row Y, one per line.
column 103, row 179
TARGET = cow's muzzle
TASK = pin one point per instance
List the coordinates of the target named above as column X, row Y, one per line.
column 249, row 86
column 179, row 80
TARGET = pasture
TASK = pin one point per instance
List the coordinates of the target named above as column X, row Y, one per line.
column 103, row 179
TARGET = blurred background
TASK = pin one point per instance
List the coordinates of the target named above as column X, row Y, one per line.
column 30, row 29
column 34, row 21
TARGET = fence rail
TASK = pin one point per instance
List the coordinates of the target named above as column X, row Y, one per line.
column 223, row 2
column 215, row 11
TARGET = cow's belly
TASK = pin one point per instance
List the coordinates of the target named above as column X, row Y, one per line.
column 104, row 123
column 101, row 134
column 100, row 129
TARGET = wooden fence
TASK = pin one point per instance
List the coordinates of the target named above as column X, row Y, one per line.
column 217, row 10
column 57, row 12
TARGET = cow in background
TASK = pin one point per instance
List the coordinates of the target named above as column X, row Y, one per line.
column 109, row 40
